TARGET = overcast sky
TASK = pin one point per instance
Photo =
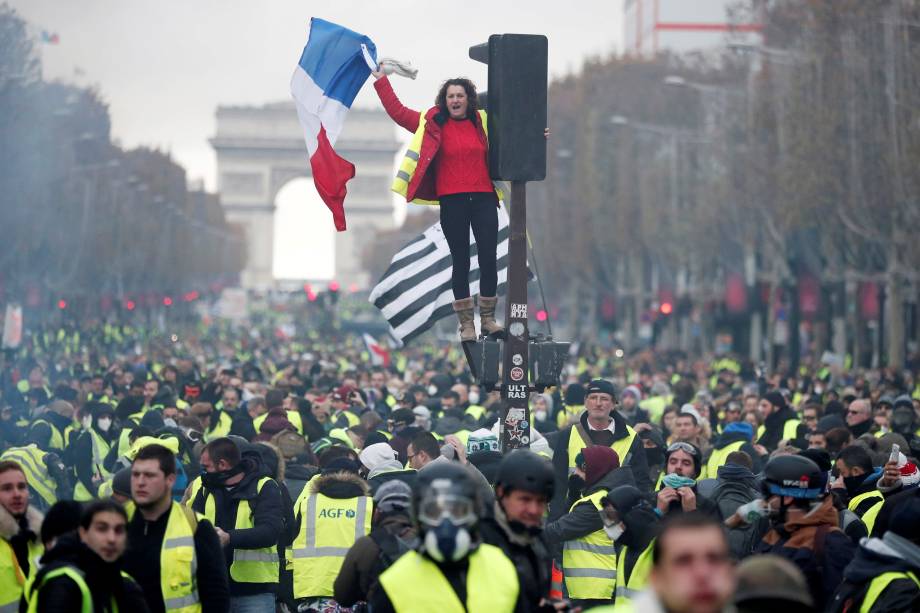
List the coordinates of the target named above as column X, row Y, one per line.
column 164, row 66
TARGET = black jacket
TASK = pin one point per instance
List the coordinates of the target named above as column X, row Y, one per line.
column 530, row 556
column 105, row 582
column 82, row 454
column 142, row 562
column 559, row 441
column 902, row 595
column 267, row 519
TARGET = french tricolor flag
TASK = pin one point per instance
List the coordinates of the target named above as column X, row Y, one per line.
column 334, row 65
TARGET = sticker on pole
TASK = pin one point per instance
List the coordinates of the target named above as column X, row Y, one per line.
column 517, row 373
column 516, row 392
column 518, row 311
column 517, row 359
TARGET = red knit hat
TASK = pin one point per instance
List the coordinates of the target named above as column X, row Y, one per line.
column 599, row 460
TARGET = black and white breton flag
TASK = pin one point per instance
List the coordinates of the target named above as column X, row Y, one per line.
column 415, row 290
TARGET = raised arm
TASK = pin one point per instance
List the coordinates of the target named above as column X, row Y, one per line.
column 404, row 116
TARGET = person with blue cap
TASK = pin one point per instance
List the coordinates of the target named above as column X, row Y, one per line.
column 737, row 436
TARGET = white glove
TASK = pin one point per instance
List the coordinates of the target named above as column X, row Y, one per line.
column 753, row 510
column 389, row 66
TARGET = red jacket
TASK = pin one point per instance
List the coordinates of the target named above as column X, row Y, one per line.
column 422, row 184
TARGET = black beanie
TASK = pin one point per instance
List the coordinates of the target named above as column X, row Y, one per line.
column 61, row 518
column 776, row 399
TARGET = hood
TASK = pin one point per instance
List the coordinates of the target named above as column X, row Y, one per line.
column 727, row 438
column 339, row 485
column 9, row 526
column 737, row 473
column 776, row 420
column 386, row 466
column 874, row 557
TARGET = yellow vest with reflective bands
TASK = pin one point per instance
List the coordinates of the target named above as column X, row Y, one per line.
column 577, row 443
column 12, row 579
column 589, row 563
column 475, row 411
column 718, row 458
column 328, row 529
column 100, row 449
column 869, row 516
column 629, row 587
column 249, row 565
column 880, row 584
column 410, row 161
column 178, row 560
column 415, row 584
column 31, row 459
column 56, row 441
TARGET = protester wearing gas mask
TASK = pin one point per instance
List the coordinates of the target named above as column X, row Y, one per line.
column 245, row 508
column 91, row 448
column 678, row 493
column 524, row 486
column 453, row 568
column 632, row 525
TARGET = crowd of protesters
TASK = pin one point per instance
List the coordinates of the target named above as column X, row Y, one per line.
column 245, row 470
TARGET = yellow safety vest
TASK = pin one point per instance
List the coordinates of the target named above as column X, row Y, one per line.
column 568, row 412
column 249, row 565
column 475, row 411
column 578, row 440
column 220, row 430
column 655, row 405
column 12, row 579
column 410, row 161
column 328, row 529
column 31, row 459
column 100, row 450
column 57, row 437
column 75, row 575
column 415, row 584
column 718, row 458
column 589, row 563
column 178, row 560
column 629, row 587
column 880, row 584
column 292, row 416
column 869, row 516
column 790, row 429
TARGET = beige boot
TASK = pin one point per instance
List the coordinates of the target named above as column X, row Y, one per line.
column 487, row 315
column 464, row 310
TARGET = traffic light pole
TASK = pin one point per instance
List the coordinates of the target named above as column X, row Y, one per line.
column 515, row 389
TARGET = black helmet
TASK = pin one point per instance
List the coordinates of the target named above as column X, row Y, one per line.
column 525, row 470
column 794, row 476
column 445, row 488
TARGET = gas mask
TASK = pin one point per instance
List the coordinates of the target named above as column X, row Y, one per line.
column 447, row 521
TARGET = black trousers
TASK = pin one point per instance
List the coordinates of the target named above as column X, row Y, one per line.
column 459, row 213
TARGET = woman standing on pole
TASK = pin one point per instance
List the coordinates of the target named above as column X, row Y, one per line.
column 447, row 163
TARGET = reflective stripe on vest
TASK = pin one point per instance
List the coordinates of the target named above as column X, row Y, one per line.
column 86, row 605
column 57, row 437
column 880, row 584
column 719, row 457
column 577, row 443
column 328, row 529
column 31, row 459
column 869, row 515
column 589, row 562
column 248, row 565
column 629, row 587
column 415, row 583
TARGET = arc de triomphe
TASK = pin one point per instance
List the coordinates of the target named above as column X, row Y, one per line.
column 261, row 148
